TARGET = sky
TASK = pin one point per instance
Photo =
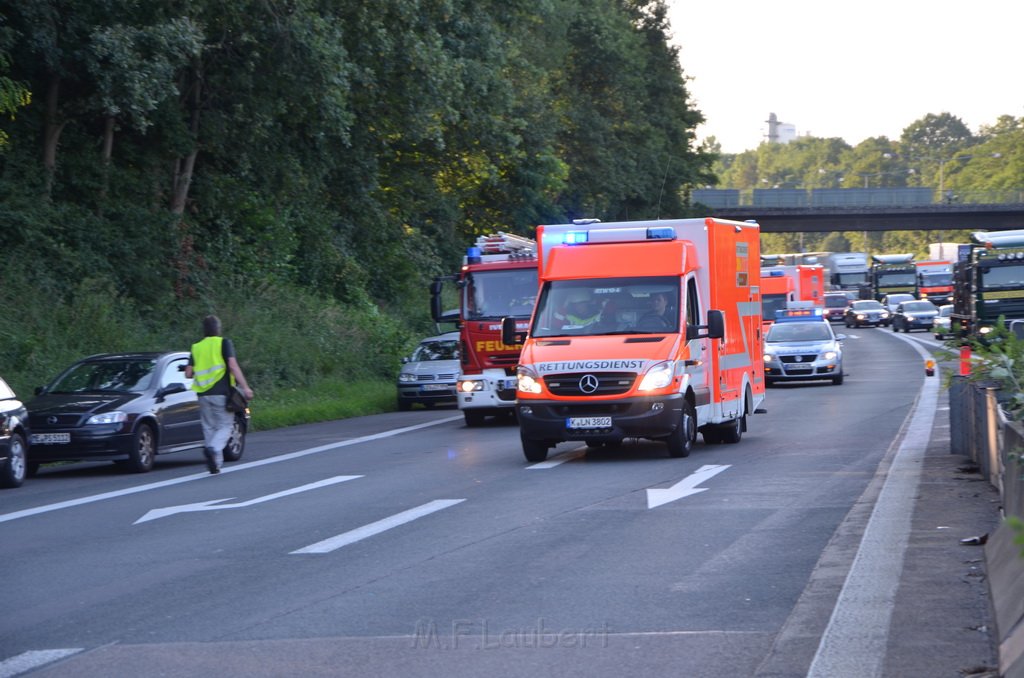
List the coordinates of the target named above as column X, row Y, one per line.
column 852, row 70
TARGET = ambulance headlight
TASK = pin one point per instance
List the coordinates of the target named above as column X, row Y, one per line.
column 657, row 377
column 527, row 380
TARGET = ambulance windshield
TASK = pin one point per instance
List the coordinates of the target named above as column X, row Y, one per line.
column 608, row 306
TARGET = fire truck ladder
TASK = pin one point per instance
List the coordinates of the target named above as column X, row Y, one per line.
column 506, row 243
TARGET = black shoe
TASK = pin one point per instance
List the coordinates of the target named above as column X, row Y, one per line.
column 211, row 463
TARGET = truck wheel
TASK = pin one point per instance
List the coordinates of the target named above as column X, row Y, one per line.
column 680, row 443
column 534, row 450
column 473, row 418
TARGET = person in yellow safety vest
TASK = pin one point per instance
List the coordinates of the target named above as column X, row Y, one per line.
column 579, row 311
column 214, row 368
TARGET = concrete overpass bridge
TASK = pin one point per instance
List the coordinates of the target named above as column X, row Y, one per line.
column 827, row 210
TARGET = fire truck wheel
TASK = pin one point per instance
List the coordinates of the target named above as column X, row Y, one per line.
column 680, row 443
column 534, row 450
column 473, row 417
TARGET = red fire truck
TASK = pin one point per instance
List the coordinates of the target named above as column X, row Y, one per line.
column 498, row 279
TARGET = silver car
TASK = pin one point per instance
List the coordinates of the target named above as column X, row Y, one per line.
column 802, row 350
column 428, row 376
column 942, row 325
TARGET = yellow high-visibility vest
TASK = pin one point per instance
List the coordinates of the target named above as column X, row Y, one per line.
column 209, row 365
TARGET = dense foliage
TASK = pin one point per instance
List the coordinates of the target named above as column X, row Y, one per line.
column 303, row 167
column 937, row 151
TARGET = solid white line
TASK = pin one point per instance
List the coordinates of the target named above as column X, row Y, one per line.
column 229, row 469
column 352, row 536
column 33, row 659
column 854, row 642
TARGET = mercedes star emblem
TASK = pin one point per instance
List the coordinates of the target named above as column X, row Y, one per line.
column 588, row 384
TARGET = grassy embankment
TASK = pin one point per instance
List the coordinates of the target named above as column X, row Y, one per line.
column 307, row 359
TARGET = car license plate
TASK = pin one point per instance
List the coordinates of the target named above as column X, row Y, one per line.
column 51, row 438
column 588, row 422
column 435, row 387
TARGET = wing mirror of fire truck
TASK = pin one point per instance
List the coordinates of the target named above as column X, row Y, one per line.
column 715, row 327
column 509, row 336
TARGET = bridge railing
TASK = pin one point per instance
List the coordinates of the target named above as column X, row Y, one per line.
column 851, row 197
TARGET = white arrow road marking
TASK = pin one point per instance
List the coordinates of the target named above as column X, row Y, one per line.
column 684, row 488
column 352, row 536
column 209, row 505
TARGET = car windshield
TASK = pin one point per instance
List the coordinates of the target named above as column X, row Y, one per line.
column 447, row 349
column 836, row 300
column 867, row 305
column 813, row 331
column 122, row 376
column 918, row 306
column 898, row 298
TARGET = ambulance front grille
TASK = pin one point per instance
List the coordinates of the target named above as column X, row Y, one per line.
column 590, row 383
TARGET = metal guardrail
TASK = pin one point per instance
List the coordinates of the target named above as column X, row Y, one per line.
column 719, row 198
column 980, row 429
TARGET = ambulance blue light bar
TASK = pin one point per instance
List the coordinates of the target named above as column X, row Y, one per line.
column 794, row 314
column 766, row 273
column 619, row 235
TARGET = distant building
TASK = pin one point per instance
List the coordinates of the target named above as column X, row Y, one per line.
column 779, row 132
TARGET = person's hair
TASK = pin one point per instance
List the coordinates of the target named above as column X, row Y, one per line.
column 211, row 326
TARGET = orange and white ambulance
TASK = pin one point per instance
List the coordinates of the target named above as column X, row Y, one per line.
column 808, row 281
column 648, row 329
column 777, row 291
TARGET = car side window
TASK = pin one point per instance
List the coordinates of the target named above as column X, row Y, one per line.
column 175, row 373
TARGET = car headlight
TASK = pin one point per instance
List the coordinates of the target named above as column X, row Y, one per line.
column 911, row 316
column 885, row 314
column 860, row 316
column 829, row 355
column 657, row 377
column 405, row 377
column 985, row 330
column 528, row 381
column 107, row 418
column 470, row 385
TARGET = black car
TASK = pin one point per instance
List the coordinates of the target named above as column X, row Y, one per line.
column 125, row 407
column 866, row 312
column 13, row 437
column 914, row 315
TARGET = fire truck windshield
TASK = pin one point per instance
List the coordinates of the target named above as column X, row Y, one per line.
column 499, row 294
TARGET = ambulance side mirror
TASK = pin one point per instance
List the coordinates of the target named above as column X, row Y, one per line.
column 715, row 327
